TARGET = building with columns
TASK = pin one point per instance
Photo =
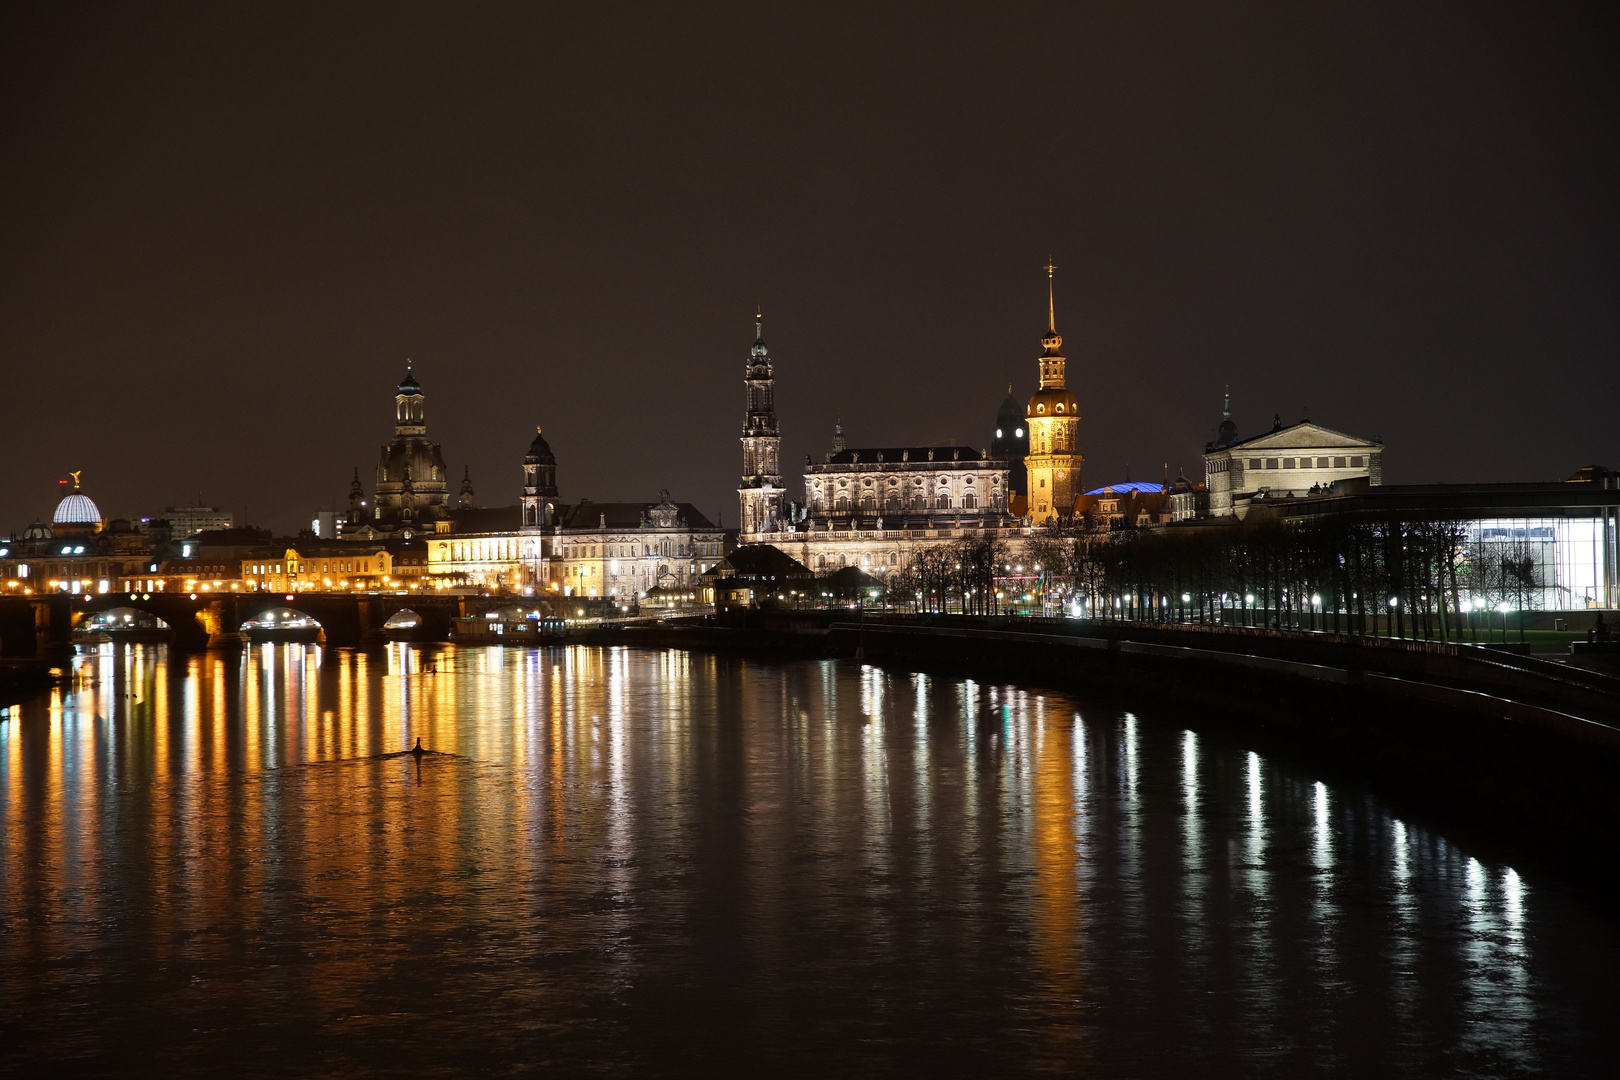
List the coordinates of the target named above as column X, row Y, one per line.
column 1286, row 462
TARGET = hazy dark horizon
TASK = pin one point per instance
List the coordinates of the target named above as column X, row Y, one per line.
column 225, row 229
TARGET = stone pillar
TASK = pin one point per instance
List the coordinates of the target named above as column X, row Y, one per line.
column 218, row 619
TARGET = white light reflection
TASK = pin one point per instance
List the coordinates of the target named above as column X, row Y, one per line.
column 1133, row 887
column 1194, row 875
column 922, row 770
column 1497, row 1003
column 1324, row 910
column 1258, row 980
column 1405, row 938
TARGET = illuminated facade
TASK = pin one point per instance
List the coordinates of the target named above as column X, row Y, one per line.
column 620, row 551
column 1285, row 462
column 1565, row 536
column 413, row 485
column 78, row 552
column 1053, row 417
column 761, row 496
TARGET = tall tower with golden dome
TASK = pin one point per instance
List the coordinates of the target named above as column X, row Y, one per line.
column 1053, row 419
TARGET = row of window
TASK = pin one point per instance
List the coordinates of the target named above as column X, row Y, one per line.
column 659, row 549
column 824, row 562
column 894, row 503
column 1352, row 462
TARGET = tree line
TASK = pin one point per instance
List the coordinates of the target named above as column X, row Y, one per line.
column 1404, row 578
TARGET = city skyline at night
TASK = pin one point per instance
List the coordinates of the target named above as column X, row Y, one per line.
column 1394, row 220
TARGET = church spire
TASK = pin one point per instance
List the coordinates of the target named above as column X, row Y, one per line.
column 760, row 491
column 1051, row 305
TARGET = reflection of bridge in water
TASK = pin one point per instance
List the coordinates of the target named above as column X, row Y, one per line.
column 43, row 625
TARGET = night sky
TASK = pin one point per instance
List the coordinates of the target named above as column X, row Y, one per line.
column 225, row 227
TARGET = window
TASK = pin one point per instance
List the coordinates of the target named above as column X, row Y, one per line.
column 1356, row 462
column 969, row 502
column 1289, row 463
column 1271, row 463
column 1254, row 463
column 1338, row 463
column 944, row 502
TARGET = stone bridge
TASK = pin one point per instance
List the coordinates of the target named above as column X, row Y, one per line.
column 41, row 625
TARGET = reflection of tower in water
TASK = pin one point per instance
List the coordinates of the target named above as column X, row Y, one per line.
column 1054, row 795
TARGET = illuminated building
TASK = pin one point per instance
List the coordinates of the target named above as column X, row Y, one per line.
column 78, row 552
column 612, row 551
column 1053, row 417
column 761, row 494
column 1133, row 504
column 873, row 507
column 76, row 514
column 413, row 485
column 1285, row 462
column 1567, row 532
column 623, row 550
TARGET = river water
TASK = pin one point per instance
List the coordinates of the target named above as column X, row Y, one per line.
column 621, row 862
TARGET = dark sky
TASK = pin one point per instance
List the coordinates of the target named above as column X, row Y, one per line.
column 225, row 227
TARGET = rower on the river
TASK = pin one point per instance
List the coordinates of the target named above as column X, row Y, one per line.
column 417, row 749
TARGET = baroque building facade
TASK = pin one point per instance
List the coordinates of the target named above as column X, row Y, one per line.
column 874, row 507
column 412, row 493
column 545, row 547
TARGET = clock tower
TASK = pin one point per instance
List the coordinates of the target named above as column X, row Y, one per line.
column 1053, row 420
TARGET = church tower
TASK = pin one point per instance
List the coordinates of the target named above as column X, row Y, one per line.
column 357, row 501
column 1053, row 420
column 539, row 485
column 760, row 492
column 413, row 485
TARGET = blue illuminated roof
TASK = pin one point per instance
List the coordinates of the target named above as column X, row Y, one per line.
column 1129, row 485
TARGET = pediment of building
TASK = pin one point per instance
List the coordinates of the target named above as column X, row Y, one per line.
column 1303, row 436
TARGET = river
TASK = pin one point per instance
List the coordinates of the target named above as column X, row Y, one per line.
column 627, row 862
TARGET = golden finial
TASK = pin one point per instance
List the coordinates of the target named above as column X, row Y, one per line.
column 75, row 474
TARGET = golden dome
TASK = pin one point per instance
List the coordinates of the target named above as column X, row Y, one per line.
column 1052, row 401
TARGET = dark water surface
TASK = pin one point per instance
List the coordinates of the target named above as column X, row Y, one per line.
column 648, row 863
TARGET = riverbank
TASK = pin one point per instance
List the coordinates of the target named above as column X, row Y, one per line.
column 1509, row 749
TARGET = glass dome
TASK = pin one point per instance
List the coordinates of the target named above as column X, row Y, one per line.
column 76, row 509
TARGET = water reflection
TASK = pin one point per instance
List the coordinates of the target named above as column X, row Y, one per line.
column 678, row 862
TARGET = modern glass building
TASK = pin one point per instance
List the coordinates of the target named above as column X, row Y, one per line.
column 1565, row 533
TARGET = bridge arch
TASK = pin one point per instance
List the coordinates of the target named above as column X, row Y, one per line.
column 280, row 622
column 125, row 618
